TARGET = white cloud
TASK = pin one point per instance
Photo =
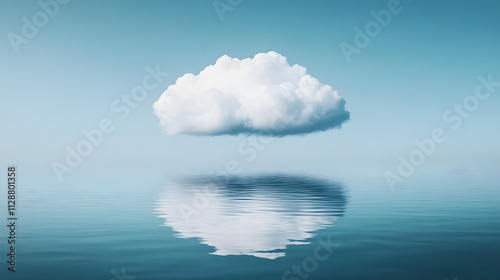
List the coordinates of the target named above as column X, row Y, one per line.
column 262, row 95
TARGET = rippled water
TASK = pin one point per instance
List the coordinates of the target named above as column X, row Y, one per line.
column 255, row 216
column 259, row 227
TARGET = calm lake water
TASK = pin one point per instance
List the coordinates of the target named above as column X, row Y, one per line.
column 264, row 226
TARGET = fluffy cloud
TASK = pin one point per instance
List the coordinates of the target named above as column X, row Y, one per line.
column 262, row 95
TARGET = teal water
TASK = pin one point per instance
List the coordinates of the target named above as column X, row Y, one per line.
column 281, row 226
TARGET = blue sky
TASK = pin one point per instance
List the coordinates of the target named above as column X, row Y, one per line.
column 397, row 88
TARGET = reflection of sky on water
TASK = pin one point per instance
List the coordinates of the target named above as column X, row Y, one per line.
column 258, row 215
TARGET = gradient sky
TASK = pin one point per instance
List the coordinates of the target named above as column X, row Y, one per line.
column 91, row 52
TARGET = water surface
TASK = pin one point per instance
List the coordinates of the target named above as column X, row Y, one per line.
column 260, row 227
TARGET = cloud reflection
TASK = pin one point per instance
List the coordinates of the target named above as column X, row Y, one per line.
column 257, row 215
